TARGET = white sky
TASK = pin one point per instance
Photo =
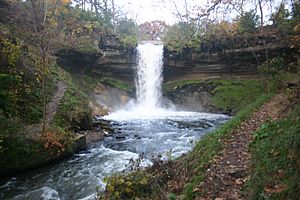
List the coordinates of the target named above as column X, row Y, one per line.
column 148, row 10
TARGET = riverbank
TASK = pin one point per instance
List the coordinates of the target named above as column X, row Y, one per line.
column 68, row 127
column 186, row 177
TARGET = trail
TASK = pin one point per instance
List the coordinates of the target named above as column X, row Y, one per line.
column 52, row 106
column 226, row 176
column 51, row 109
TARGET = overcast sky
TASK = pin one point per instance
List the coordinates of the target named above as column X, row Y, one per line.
column 143, row 10
column 148, row 10
column 165, row 10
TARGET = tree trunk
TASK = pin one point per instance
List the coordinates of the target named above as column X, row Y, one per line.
column 261, row 13
column 114, row 15
column 43, row 88
column 177, row 11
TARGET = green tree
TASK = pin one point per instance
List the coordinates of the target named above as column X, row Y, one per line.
column 127, row 30
column 281, row 19
column 247, row 22
column 181, row 35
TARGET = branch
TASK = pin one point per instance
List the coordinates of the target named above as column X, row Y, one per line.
column 177, row 11
column 207, row 12
column 32, row 3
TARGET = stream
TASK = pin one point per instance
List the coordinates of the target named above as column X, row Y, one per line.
column 165, row 135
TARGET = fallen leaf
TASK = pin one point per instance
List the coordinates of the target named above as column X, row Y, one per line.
column 280, row 173
column 298, row 163
column 239, row 181
column 277, row 189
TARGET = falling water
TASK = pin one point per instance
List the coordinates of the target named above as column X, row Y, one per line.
column 149, row 75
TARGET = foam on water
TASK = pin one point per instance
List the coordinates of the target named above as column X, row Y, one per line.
column 158, row 113
column 44, row 193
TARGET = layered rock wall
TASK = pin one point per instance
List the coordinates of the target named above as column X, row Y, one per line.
column 234, row 56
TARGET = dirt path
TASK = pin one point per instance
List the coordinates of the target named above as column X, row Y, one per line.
column 51, row 109
column 52, row 106
column 225, row 177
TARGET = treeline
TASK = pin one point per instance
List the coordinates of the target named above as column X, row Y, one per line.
column 206, row 34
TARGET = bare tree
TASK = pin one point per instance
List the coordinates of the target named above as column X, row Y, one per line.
column 44, row 34
column 261, row 12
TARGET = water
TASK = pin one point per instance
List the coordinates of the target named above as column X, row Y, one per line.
column 164, row 136
column 144, row 128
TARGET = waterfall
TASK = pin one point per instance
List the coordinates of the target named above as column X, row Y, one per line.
column 148, row 78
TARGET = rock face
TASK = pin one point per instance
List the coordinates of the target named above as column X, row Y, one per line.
column 110, row 98
column 118, row 64
column 237, row 55
column 194, row 97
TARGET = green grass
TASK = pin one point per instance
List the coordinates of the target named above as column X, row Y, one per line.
column 116, row 84
column 234, row 95
column 275, row 171
column 73, row 109
column 180, row 83
column 86, row 83
column 229, row 95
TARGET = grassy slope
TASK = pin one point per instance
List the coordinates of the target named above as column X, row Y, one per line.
column 211, row 145
column 75, row 103
column 89, row 81
column 275, row 164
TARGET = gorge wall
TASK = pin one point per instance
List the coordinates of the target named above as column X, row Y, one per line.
column 234, row 59
column 119, row 63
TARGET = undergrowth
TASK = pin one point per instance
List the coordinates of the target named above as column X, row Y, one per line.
column 21, row 144
column 73, row 112
column 275, row 167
